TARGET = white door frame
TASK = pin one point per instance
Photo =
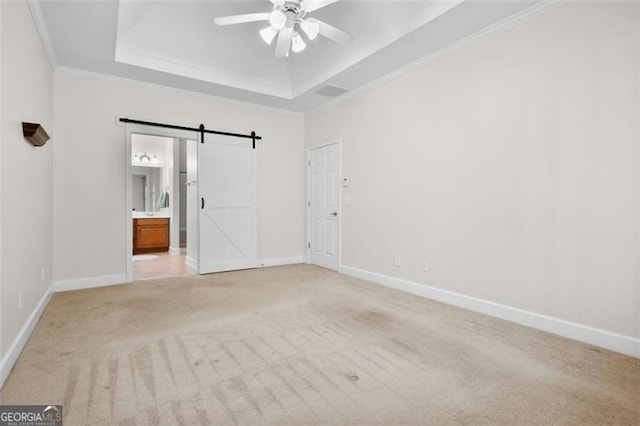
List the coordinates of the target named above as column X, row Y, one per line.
column 337, row 142
column 128, row 219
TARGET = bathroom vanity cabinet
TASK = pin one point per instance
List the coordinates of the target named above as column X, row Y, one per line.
column 150, row 235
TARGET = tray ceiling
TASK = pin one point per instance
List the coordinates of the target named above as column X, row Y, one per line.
column 177, row 44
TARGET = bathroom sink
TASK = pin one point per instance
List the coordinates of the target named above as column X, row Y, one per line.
column 138, row 215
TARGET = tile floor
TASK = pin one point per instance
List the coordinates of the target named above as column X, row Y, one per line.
column 165, row 265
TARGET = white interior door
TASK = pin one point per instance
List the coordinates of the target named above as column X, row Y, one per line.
column 324, row 226
column 227, row 189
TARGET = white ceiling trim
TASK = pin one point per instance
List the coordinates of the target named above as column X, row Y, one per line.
column 476, row 37
column 433, row 11
column 300, row 96
column 43, row 32
column 161, row 88
column 197, row 72
column 133, row 56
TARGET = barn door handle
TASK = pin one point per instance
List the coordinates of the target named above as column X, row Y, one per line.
column 202, row 203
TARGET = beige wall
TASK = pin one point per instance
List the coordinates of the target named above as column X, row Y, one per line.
column 512, row 166
column 2, row 351
column 89, row 168
column 25, row 171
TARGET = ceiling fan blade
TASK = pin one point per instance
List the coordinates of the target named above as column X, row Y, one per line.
column 241, row 19
column 311, row 5
column 284, row 42
column 333, row 33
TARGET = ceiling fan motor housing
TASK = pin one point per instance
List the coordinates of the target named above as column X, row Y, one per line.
column 293, row 11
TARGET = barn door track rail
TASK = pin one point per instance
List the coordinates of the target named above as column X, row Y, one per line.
column 201, row 129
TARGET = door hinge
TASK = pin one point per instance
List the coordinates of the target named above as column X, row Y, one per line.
column 308, row 203
column 308, row 162
column 308, row 245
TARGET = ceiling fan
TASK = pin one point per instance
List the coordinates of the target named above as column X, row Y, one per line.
column 286, row 21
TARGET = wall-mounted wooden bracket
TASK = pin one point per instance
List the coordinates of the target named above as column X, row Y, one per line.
column 35, row 133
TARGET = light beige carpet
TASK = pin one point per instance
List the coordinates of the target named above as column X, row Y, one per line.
column 302, row 345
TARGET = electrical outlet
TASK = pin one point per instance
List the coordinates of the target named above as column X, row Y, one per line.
column 424, row 266
column 42, row 273
column 20, row 300
column 397, row 261
column 346, row 199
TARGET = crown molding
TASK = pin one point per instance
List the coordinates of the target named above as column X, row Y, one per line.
column 75, row 72
column 433, row 11
column 497, row 28
column 38, row 19
column 503, row 25
column 170, row 66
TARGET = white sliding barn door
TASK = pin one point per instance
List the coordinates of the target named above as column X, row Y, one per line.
column 227, row 189
column 324, row 226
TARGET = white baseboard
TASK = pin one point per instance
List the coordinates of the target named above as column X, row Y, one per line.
column 191, row 262
column 175, row 250
column 605, row 339
column 280, row 261
column 10, row 358
column 91, row 282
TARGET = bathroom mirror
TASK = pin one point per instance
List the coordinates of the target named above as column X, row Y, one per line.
column 148, row 189
column 139, row 187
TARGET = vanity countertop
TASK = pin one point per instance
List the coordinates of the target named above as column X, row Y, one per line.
column 147, row 215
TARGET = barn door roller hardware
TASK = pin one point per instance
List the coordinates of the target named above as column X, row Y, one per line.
column 201, row 129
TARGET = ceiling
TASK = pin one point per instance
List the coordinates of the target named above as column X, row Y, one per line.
column 177, row 44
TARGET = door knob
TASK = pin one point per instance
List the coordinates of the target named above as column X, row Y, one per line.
column 334, row 213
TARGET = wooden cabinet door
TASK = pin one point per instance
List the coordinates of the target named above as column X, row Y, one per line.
column 150, row 235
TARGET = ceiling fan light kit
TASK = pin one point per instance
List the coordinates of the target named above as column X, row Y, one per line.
column 268, row 34
column 311, row 29
column 297, row 43
column 287, row 21
column 278, row 20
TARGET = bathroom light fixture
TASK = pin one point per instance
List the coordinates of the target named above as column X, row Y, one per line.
column 145, row 158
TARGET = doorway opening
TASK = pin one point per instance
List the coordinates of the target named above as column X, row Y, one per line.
column 221, row 199
column 163, row 176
